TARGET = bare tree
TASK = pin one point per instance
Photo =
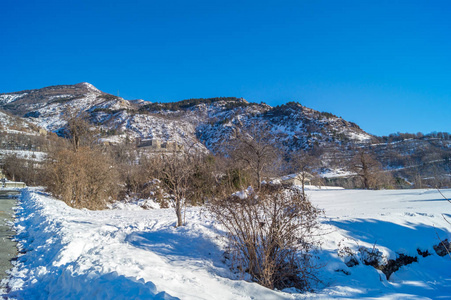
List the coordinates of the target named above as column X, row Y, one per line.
column 303, row 164
column 269, row 234
column 366, row 167
column 413, row 170
column 79, row 130
column 176, row 172
column 254, row 147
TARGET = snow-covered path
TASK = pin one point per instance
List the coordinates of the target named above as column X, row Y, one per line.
column 138, row 254
column 117, row 254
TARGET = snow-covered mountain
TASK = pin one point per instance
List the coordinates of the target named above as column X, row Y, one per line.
column 204, row 123
column 48, row 107
column 10, row 122
column 208, row 124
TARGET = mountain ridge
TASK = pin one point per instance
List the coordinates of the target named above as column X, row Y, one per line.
column 208, row 124
column 204, row 120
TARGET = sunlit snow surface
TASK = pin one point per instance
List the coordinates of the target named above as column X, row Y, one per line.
column 138, row 254
column 8, row 98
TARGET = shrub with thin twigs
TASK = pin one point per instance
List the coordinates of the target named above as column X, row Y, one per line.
column 270, row 234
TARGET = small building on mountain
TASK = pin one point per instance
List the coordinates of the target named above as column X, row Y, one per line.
column 149, row 143
column 155, row 145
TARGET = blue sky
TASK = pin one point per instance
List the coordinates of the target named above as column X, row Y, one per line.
column 385, row 65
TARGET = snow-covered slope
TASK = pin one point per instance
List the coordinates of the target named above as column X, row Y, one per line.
column 187, row 122
column 8, row 98
column 208, row 124
column 293, row 126
column 10, row 123
column 138, row 254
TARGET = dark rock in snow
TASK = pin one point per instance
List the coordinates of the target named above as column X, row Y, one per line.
column 443, row 248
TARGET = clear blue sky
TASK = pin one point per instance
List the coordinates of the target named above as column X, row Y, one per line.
column 385, row 65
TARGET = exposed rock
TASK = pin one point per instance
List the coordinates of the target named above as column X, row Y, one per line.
column 443, row 248
column 393, row 265
column 351, row 262
column 423, row 253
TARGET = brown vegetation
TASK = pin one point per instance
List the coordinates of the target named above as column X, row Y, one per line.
column 370, row 171
column 269, row 233
column 83, row 179
column 253, row 148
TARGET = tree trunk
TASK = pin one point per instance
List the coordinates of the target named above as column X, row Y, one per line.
column 366, row 182
column 303, row 184
column 365, row 170
column 259, row 177
column 178, row 212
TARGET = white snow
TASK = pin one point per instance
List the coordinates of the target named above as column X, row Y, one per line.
column 90, row 87
column 243, row 194
column 59, row 97
column 7, row 121
column 25, row 154
column 139, row 254
column 8, row 98
column 336, row 173
column 321, row 187
column 362, row 137
column 12, row 131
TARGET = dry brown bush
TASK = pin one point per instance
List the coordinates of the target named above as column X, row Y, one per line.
column 370, row 171
column 253, row 150
column 85, row 178
column 270, row 235
column 20, row 169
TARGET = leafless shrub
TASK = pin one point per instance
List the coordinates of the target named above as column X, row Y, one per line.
column 270, row 234
column 303, row 164
column 370, row 171
column 367, row 256
column 21, row 169
column 253, row 149
column 176, row 173
column 84, row 178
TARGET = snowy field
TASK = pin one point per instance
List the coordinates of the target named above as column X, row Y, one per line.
column 138, row 254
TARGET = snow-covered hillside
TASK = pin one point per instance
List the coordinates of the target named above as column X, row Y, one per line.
column 200, row 122
column 8, row 98
column 138, row 254
column 14, row 124
column 209, row 124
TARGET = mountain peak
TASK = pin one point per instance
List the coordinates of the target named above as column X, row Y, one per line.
column 189, row 121
column 88, row 86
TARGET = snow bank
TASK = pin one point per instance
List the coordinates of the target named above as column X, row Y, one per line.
column 119, row 254
column 139, row 254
